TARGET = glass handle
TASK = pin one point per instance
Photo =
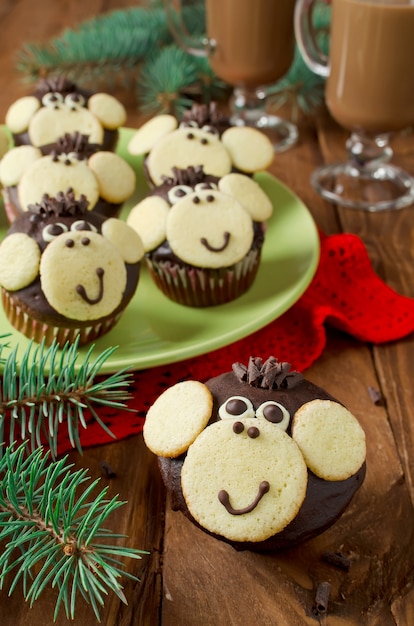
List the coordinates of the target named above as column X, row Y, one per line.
column 200, row 47
column 306, row 37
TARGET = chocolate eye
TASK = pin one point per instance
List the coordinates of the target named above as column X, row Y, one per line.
column 75, row 101
column 51, row 231
column 189, row 124
column 275, row 413
column 203, row 186
column 179, row 191
column 236, row 406
column 53, row 100
column 211, row 130
column 83, row 225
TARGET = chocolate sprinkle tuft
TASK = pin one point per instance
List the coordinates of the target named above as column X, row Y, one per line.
column 63, row 204
column 272, row 374
column 320, row 605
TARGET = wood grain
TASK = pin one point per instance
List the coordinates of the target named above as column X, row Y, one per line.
column 189, row 578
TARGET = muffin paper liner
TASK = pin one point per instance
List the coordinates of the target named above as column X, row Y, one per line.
column 42, row 331
column 203, row 287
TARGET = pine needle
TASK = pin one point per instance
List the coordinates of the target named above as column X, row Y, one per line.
column 50, row 538
column 35, row 406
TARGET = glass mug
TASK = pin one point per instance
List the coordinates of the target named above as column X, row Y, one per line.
column 249, row 44
column 369, row 91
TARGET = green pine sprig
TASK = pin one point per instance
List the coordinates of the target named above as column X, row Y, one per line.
column 52, row 391
column 171, row 78
column 53, row 536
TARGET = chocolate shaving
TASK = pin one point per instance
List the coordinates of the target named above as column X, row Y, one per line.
column 320, row 605
column 188, row 176
column 375, row 396
column 203, row 115
column 337, row 560
column 75, row 142
column 272, row 374
column 63, row 204
column 52, row 84
column 107, row 470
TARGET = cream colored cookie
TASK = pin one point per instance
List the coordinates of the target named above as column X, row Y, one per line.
column 214, row 232
column 330, row 438
column 147, row 136
column 19, row 261
column 242, row 487
column 20, row 113
column 250, row 195
column 115, row 177
column 47, row 125
column 48, row 176
column 16, row 162
column 149, row 219
column 109, row 111
column 250, row 150
column 82, row 275
column 188, row 147
column 124, row 238
column 177, row 417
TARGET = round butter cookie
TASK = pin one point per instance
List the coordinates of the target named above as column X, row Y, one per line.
column 277, row 461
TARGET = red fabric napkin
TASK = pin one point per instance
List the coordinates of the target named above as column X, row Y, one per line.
column 345, row 293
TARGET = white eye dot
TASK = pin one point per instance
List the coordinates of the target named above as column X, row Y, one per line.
column 179, row 191
column 236, row 406
column 53, row 100
column 74, row 101
column 83, row 225
column 275, row 413
column 203, row 186
column 211, row 130
column 189, row 124
column 51, row 231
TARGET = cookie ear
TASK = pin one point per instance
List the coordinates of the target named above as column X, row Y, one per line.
column 177, row 417
column 147, row 136
column 124, row 238
column 116, row 178
column 16, row 162
column 249, row 194
column 250, row 149
column 330, row 438
column 19, row 261
column 149, row 219
column 20, row 113
column 108, row 110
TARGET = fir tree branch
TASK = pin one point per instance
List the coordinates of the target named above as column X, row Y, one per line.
column 109, row 45
column 35, row 404
column 52, row 538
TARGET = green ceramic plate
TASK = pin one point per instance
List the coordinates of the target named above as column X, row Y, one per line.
column 155, row 331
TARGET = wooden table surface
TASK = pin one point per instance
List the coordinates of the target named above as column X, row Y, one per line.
column 192, row 579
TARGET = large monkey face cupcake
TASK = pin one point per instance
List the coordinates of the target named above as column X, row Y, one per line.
column 258, row 457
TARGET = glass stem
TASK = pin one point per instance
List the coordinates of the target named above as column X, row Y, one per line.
column 247, row 105
column 368, row 152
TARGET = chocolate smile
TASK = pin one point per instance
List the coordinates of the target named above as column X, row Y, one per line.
column 82, row 291
column 212, row 248
column 224, row 498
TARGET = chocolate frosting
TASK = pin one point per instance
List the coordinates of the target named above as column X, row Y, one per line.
column 325, row 501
